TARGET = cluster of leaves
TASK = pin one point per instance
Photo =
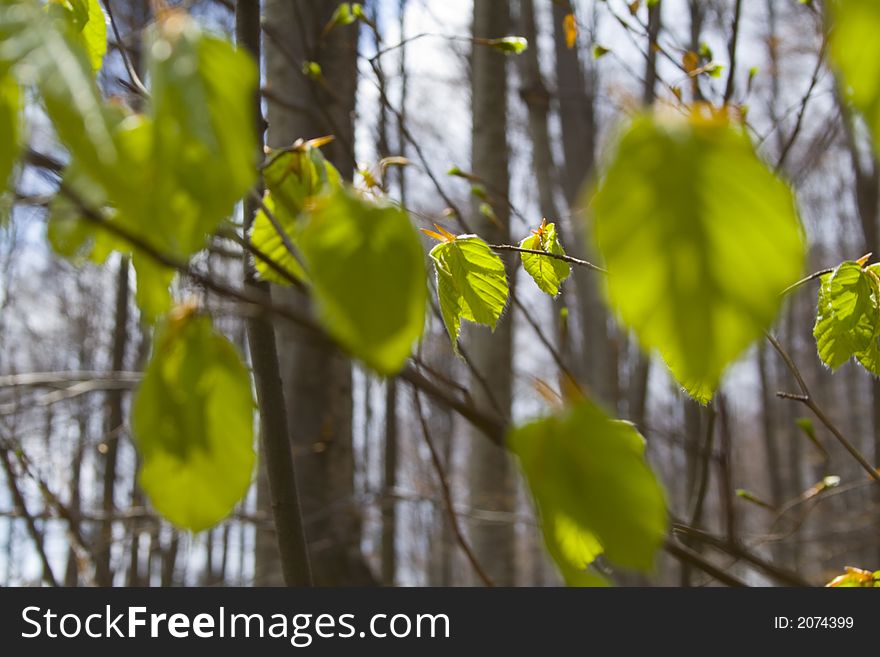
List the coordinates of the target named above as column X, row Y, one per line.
column 163, row 180
column 698, row 236
column 159, row 181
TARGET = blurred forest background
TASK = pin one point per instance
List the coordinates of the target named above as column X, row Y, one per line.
column 757, row 489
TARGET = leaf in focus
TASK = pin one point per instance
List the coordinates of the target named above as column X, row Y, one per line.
column 847, row 317
column 10, row 122
column 193, row 424
column 855, row 52
column 471, row 283
column 569, row 24
column 699, row 239
column 548, row 273
column 366, row 268
column 590, row 469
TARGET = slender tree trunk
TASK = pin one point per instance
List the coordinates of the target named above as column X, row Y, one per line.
column 491, row 472
column 114, row 432
column 317, row 377
column 276, row 448
column 596, row 365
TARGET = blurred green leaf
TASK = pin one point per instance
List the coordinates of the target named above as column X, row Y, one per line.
column 292, row 177
column 10, row 124
column 366, row 268
column 511, row 45
column 87, row 21
column 471, row 283
column 855, row 51
column 699, row 238
column 590, row 470
column 548, row 273
column 193, row 424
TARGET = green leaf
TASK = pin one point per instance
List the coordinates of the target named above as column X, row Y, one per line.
column 86, row 20
column 292, row 177
column 471, row 283
column 848, row 317
column 548, row 273
column 367, row 271
column 573, row 550
column 204, row 141
column 590, row 470
column 152, row 293
column 507, row 45
column 49, row 54
column 10, row 122
column 95, row 35
column 855, row 51
column 193, row 424
column 699, row 239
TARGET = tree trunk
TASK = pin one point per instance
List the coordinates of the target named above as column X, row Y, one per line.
column 274, row 426
column 491, row 472
column 316, row 376
column 114, row 430
column 596, row 365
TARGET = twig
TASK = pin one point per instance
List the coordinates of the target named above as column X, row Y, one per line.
column 30, row 523
column 731, row 51
column 807, row 279
column 807, row 400
column 126, row 60
column 734, row 549
column 557, row 256
column 447, row 494
column 792, row 138
column 687, row 556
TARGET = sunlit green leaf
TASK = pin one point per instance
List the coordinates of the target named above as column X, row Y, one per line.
column 699, row 238
column 848, row 317
column 193, row 424
column 471, row 283
column 86, row 20
column 573, row 550
column 508, row 45
column 591, row 471
column 367, row 271
column 548, row 273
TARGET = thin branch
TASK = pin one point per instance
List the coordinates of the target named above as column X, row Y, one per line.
column 556, row 256
column 687, row 556
column 136, row 82
column 447, row 494
column 805, row 101
column 807, row 279
column 31, row 524
column 807, row 400
column 782, row 575
column 731, row 51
